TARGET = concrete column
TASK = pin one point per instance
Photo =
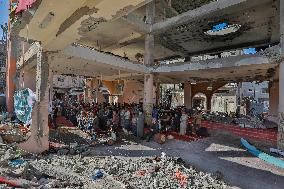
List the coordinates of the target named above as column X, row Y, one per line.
column 187, row 95
column 158, row 93
column 148, row 97
column 273, row 98
column 11, row 72
column 208, row 102
column 239, row 99
column 149, row 60
column 38, row 141
column 280, row 139
column 29, row 79
column 100, row 98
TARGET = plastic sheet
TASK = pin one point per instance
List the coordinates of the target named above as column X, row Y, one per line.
column 23, row 104
column 24, row 5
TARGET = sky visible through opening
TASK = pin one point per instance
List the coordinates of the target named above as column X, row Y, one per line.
column 4, row 12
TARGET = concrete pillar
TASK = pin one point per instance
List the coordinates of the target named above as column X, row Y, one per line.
column 11, row 72
column 280, row 139
column 148, row 97
column 239, row 98
column 38, row 140
column 273, row 98
column 158, row 93
column 208, row 102
column 100, row 97
column 149, row 60
column 187, row 95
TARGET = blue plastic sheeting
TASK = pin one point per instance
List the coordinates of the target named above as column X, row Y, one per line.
column 220, row 27
column 23, row 104
column 265, row 157
column 17, row 162
column 98, row 174
column 249, row 51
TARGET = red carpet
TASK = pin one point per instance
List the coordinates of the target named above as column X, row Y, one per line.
column 186, row 138
column 269, row 135
column 177, row 136
column 62, row 121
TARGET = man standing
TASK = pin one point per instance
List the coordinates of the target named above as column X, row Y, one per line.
column 140, row 124
column 127, row 119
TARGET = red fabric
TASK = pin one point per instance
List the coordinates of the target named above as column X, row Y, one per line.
column 5, row 181
column 182, row 178
column 24, row 5
column 61, row 120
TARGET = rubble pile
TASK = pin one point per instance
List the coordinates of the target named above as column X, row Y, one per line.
column 11, row 132
column 63, row 170
column 244, row 121
column 71, row 162
column 249, row 122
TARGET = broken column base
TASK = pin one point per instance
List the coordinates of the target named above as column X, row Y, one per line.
column 35, row 145
column 38, row 141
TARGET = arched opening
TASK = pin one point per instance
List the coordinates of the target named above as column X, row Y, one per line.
column 199, row 100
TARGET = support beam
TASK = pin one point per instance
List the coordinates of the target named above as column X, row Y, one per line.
column 234, row 61
column 273, row 98
column 122, row 76
column 149, row 60
column 280, row 139
column 239, row 98
column 33, row 50
column 194, row 14
column 187, row 95
column 104, row 59
column 13, row 43
column 38, row 141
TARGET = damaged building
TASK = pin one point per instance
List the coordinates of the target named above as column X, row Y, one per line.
column 122, row 52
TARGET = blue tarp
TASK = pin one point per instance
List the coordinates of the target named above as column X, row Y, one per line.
column 265, row 157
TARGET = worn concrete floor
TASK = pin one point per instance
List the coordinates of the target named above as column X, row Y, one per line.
column 219, row 153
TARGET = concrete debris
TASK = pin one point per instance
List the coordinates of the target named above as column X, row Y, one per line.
column 249, row 122
column 12, row 132
column 71, row 162
column 244, row 121
column 277, row 151
column 64, row 170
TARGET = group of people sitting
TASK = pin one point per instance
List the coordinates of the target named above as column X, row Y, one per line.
column 128, row 118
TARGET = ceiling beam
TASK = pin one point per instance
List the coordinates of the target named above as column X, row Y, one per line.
column 122, row 76
column 105, row 59
column 194, row 14
column 234, row 61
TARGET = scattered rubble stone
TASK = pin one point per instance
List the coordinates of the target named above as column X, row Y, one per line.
column 79, row 171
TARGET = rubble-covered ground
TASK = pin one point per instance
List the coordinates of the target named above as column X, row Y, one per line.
column 76, row 165
column 77, row 171
column 75, row 162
